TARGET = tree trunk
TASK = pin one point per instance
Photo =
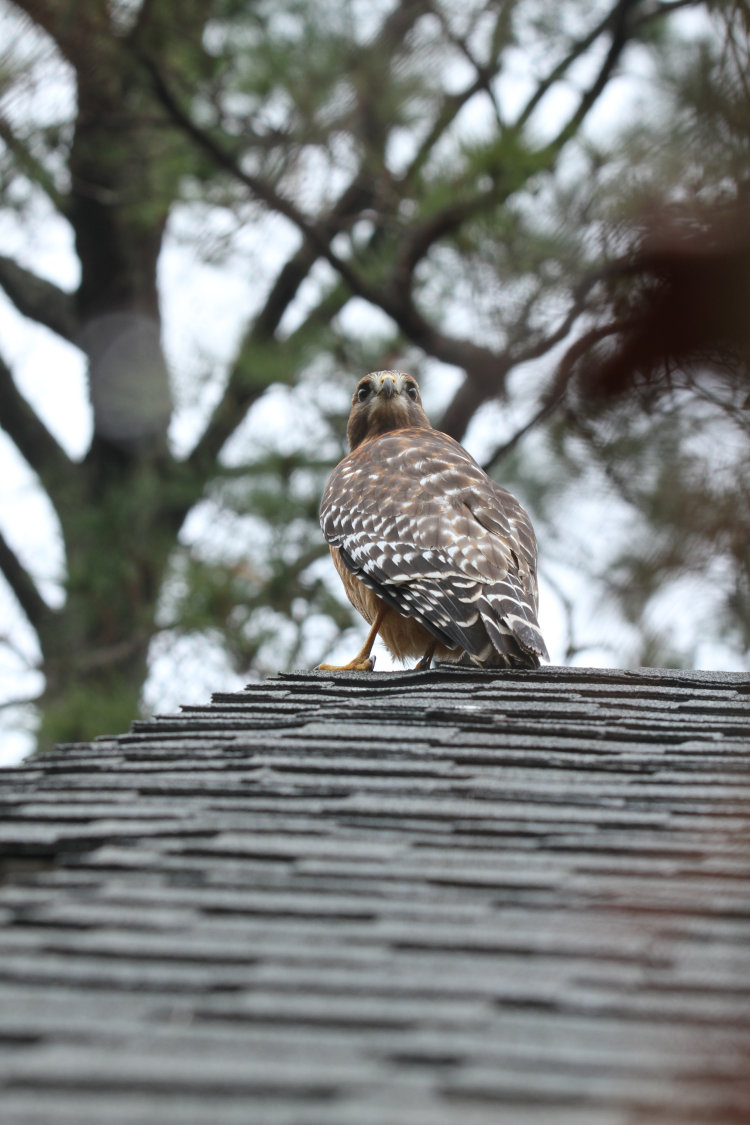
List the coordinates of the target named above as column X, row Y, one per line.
column 117, row 526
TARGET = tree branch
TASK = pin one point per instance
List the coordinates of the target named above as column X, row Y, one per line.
column 17, row 652
column 500, row 37
column 472, row 392
column 317, row 233
column 242, row 391
column 32, row 167
column 38, row 299
column 622, row 29
column 242, row 388
column 511, row 443
column 23, row 586
column 623, row 22
column 486, row 373
column 566, row 368
column 258, row 187
column 559, row 71
column 534, row 351
column 31, row 437
column 438, row 226
column 450, row 107
column 451, row 217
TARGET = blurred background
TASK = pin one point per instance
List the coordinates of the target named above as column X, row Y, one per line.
column 216, row 216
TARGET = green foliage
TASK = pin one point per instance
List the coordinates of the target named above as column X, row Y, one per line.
column 83, row 713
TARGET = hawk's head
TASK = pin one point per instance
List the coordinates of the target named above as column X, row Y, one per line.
column 383, row 401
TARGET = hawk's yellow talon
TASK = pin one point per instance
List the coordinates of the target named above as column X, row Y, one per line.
column 355, row 665
column 362, row 662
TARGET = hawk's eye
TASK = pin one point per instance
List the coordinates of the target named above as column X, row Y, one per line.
column 412, row 392
column 363, row 393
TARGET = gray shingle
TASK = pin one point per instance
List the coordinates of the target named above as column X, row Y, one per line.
column 417, row 898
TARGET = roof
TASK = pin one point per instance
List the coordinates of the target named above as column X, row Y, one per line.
column 411, row 898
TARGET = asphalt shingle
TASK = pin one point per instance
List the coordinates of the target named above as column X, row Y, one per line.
column 416, row 898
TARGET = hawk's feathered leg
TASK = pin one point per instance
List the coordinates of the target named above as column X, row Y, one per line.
column 362, row 662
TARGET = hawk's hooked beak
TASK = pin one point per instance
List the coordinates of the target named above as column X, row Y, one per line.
column 387, row 386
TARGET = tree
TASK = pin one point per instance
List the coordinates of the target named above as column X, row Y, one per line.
column 658, row 390
column 380, row 161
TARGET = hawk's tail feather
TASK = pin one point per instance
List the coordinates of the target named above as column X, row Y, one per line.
column 529, row 636
column 510, row 612
column 495, row 629
column 506, row 642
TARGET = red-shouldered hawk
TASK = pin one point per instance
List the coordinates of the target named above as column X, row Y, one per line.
column 439, row 559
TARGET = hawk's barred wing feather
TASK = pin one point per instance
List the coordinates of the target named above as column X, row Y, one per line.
column 406, row 601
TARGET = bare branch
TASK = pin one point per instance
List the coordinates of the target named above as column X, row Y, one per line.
column 510, row 444
column 39, row 299
column 450, row 219
column 665, row 8
column 559, row 71
column 450, row 107
column 500, row 38
column 395, row 29
column 622, row 30
column 23, row 586
column 242, row 388
column 486, row 370
column 261, row 189
column 438, row 226
column 392, row 299
column 31, row 437
column 473, row 392
column 566, row 367
column 18, row 653
column 623, row 22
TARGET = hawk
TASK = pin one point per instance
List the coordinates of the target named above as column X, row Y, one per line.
column 439, row 559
